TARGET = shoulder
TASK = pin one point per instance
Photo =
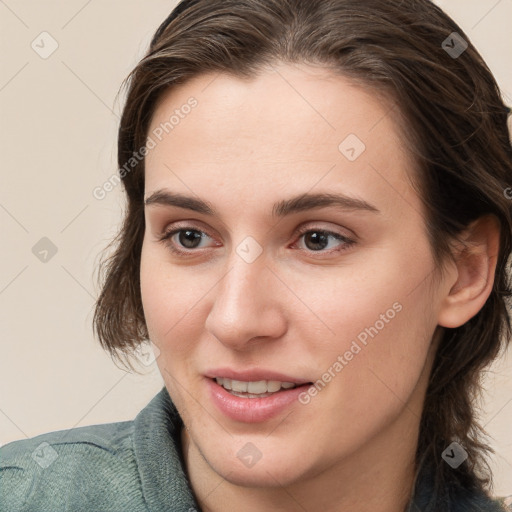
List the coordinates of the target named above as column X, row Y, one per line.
column 63, row 469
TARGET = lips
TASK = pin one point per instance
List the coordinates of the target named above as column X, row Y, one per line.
column 252, row 409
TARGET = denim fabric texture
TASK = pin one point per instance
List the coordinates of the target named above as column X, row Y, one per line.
column 129, row 466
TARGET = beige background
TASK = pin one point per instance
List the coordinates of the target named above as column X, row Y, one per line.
column 58, row 128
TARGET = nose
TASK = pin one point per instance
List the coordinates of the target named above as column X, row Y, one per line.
column 247, row 305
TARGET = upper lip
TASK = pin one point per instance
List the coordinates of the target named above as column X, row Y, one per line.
column 253, row 375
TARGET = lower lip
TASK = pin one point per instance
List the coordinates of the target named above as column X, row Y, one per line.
column 252, row 410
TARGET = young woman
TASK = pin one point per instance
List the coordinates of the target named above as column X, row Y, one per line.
column 316, row 244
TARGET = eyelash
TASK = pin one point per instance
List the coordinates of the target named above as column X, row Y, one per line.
column 166, row 239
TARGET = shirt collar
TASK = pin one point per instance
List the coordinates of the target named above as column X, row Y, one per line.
column 157, row 445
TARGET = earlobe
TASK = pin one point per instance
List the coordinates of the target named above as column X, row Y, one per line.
column 475, row 263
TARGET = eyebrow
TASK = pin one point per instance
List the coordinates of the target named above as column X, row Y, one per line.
column 300, row 203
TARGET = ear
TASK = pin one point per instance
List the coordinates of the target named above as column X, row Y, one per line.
column 475, row 263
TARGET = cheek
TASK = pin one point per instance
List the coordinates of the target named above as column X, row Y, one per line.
column 382, row 323
column 383, row 380
column 168, row 300
column 366, row 300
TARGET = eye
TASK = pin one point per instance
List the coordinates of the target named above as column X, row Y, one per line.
column 189, row 238
column 318, row 239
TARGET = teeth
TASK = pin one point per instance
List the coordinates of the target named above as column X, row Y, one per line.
column 254, row 389
column 238, row 385
column 273, row 385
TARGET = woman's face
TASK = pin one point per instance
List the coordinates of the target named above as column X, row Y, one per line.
column 266, row 287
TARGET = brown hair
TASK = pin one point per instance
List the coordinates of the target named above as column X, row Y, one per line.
column 456, row 124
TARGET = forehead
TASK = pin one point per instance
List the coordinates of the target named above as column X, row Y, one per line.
column 286, row 129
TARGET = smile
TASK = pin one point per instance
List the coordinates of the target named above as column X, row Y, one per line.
column 254, row 389
column 252, row 401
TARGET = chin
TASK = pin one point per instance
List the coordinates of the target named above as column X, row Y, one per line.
column 271, row 471
column 263, row 476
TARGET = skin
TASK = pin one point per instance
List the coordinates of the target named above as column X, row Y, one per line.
column 247, row 145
